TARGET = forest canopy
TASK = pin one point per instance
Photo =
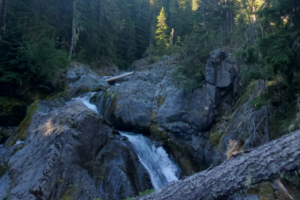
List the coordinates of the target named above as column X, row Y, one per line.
column 39, row 37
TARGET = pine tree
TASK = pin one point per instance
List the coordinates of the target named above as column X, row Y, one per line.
column 161, row 30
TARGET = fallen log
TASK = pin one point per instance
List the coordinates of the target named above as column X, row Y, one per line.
column 261, row 164
column 120, row 76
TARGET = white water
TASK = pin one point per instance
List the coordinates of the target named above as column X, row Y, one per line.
column 156, row 161
column 85, row 99
column 19, row 142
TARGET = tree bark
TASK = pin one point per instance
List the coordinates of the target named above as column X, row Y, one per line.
column 73, row 30
column 261, row 164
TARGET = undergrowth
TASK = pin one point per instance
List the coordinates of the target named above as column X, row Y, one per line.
column 22, row 131
column 141, row 194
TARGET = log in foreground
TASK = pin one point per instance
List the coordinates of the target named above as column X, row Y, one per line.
column 261, row 164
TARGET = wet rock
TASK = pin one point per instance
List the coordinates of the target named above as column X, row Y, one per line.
column 7, row 151
column 120, row 174
column 150, row 99
column 4, row 185
column 54, row 162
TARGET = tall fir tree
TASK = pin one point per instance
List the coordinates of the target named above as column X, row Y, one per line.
column 161, row 30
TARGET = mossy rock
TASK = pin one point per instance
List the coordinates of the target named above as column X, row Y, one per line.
column 68, row 194
column 2, row 170
column 4, row 135
column 22, row 131
column 266, row 191
column 215, row 137
column 157, row 134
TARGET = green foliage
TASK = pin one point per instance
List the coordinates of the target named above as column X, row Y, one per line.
column 7, row 104
column 4, row 135
column 161, row 29
column 28, row 55
column 141, row 194
column 261, row 101
column 34, row 61
column 191, row 72
column 68, row 194
column 283, row 120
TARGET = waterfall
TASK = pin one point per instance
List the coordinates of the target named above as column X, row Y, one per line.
column 155, row 159
column 85, row 99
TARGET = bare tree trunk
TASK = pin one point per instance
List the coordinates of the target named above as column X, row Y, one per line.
column 245, row 169
column 171, row 37
column 73, row 31
column 231, row 21
column 203, row 13
column 254, row 16
column 250, row 22
column 267, row 126
column 203, row 16
column 4, row 17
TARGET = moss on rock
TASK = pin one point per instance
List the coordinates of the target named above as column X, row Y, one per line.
column 22, row 131
column 158, row 134
column 215, row 137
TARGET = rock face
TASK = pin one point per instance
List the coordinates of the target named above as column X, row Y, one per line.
column 81, row 79
column 71, row 152
column 150, row 103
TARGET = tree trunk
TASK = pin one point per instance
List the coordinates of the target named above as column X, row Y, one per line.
column 254, row 16
column 73, row 31
column 204, row 17
column 261, row 164
column 203, row 13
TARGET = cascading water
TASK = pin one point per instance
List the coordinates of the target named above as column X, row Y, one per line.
column 156, row 161
column 85, row 99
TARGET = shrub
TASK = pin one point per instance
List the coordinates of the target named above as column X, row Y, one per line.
column 141, row 194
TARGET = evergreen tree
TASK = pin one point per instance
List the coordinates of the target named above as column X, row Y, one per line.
column 161, row 30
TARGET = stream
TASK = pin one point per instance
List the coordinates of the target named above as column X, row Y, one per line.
column 156, row 161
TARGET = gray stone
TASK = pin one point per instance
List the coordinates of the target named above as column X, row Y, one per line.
column 62, row 157
column 81, row 79
column 210, row 71
column 223, row 78
column 4, row 185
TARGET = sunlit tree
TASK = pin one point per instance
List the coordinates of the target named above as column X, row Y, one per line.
column 161, row 30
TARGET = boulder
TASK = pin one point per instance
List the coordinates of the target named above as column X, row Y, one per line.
column 151, row 97
column 81, row 79
column 62, row 151
column 120, row 174
column 149, row 103
column 210, row 71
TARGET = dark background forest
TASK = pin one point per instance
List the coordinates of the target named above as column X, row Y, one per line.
column 38, row 38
